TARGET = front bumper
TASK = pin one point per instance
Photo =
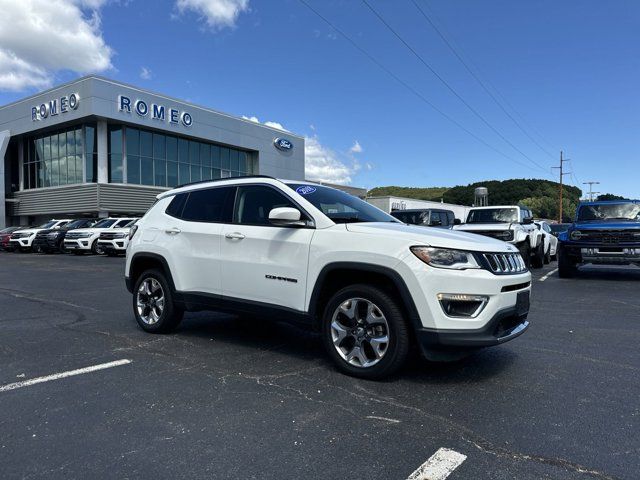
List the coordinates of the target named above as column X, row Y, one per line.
column 600, row 254
column 21, row 242
column 79, row 244
column 45, row 243
column 505, row 325
column 118, row 245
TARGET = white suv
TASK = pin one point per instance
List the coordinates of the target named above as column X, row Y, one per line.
column 23, row 239
column 85, row 240
column 115, row 241
column 318, row 256
column 509, row 223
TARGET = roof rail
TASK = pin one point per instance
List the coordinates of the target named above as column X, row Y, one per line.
column 223, row 179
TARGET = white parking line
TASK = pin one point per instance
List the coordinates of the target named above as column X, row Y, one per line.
column 58, row 376
column 542, row 279
column 439, row 466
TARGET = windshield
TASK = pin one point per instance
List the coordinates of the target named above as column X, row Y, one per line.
column 75, row 224
column 106, row 223
column 130, row 223
column 49, row 224
column 615, row 211
column 493, row 215
column 340, row 206
column 412, row 218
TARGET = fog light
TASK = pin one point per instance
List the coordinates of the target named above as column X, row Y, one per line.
column 462, row 305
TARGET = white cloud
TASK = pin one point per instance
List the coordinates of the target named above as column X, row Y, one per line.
column 40, row 37
column 255, row 119
column 145, row 73
column 217, row 13
column 356, row 148
column 323, row 164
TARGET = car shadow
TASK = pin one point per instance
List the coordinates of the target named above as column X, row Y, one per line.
column 617, row 274
column 266, row 335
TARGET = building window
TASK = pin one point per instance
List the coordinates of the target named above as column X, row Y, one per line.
column 57, row 158
column 168, row 161
column 116, row 166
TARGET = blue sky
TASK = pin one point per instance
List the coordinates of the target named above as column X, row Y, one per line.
column 570, row 69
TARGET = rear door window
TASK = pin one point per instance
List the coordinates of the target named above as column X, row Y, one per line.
column 211, row 205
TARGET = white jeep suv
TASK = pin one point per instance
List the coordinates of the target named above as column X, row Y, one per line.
column 315, row 255
column 85, row 240
column 23, row 239
column 509, row 223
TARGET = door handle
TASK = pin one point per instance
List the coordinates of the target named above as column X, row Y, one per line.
column 173, row 231
column 235, row 236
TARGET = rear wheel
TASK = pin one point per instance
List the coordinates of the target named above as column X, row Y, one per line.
column 365, row 333
column 153, row 303
column 547, row 256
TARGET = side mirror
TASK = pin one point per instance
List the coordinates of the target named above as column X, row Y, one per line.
column 527, row 221
column 286, row 217
column 457, row 221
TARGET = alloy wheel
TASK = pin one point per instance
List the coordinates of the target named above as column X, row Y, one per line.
column 360, row 332
column 150, row 301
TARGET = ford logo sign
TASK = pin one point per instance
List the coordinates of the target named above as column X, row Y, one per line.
column 283, row 144
column 305, row 189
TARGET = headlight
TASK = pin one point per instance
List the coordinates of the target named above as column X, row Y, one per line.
column 506, row 235
column 445, row 258
column 84, row 235
column 132, row 232
column 576, row 235
column 120, row 235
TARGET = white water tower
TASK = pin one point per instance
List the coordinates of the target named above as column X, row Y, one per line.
column 481, row 197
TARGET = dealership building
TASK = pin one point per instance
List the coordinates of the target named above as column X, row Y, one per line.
column 98, row 147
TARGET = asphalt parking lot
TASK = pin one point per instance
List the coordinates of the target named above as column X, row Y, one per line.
column 224, row 398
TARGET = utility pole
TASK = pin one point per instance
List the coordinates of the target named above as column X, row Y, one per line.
column 591, row 192
column 562, row 174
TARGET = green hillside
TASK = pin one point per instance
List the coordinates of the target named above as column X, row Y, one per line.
column 540, row 195
column 431, row 193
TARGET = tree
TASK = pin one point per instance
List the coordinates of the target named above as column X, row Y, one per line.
column 609, row 196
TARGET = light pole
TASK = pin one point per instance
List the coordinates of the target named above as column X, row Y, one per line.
column 591, row 192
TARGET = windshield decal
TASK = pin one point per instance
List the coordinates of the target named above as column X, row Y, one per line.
column 305, row 189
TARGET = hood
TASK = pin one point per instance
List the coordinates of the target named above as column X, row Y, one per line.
column 436, row 237
column 470, row 227
column 29, row 230
column 605, row 225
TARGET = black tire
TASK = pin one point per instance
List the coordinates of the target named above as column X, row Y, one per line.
column 96, row 249
column 566, row 266
column 547, row 256
column 171, row 314
column 37, row 249
column 525, row 253
column 537, row 260
column 397, row 348
column 61, row 248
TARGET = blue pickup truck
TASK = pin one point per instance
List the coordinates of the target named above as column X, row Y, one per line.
column 604, row 233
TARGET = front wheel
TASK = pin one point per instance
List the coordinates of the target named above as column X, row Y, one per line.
column 365, row 333
column 153, row 303
column 566, row 265
column 96, row 249
column 525, row 253
column 547, row 256
column 537, row 260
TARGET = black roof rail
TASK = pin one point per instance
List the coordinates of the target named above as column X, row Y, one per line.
column 223, row 179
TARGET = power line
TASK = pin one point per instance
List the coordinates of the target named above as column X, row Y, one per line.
column 449, row 87
column 495, row 89
column 477, row 79
column 409, row 87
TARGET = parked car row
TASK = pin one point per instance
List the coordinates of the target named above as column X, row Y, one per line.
column 511, row 223
column 82, row 235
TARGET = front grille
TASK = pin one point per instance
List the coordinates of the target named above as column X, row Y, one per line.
column 72, row 235
column 505, row 263
column 504, row 235
column 108, row 236
column 610, row 237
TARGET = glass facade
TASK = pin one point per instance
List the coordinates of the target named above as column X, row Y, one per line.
column 135, row 156
column 62, row 157
column 148, row 158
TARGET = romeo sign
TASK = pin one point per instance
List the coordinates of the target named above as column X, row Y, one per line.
column 55, row 107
